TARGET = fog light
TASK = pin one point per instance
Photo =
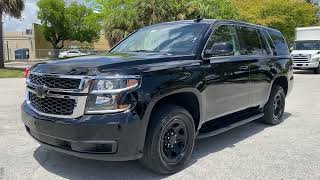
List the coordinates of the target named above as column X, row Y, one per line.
column 107, row 99
column 106, row 103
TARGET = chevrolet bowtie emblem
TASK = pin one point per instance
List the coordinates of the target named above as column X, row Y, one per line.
column 41, row 91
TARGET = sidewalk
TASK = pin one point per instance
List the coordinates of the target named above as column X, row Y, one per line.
column 22, row 64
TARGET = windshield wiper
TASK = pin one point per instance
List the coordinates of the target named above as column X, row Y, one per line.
column 150, row 51
column 144, row 50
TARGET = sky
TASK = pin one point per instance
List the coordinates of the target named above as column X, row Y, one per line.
column 29, row 16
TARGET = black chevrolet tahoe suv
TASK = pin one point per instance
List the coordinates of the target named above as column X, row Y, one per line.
column 158, row 90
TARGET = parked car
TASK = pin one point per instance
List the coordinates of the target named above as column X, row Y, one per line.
column 158, row 90
column 306, row 49
column 71, row 53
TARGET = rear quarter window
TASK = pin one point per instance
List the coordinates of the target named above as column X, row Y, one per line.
column 279, row 42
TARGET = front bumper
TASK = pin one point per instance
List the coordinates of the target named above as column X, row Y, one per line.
column 110, row 137
column 311, row 65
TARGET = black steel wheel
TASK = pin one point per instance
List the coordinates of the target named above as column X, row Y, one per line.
column 173, row 143
column 170, row 140
column 278, row 106
column 274, row 109
column 317, row 70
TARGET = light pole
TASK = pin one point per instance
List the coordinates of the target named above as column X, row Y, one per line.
column 8, row 55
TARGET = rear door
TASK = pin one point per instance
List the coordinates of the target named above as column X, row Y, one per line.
column 254, row 46
column 227, row 76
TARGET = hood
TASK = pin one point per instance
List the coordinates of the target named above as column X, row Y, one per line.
column 305, row 52
column 113, row 63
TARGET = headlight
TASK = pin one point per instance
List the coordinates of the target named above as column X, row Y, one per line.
column 107, row 95
column 317, row 59
column 113, row 86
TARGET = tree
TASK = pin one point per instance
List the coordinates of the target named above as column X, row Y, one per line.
column 121, row 17
column 12, row 8
column 84, row 26
column 55, row 28
column 156, row 11
column 214, row 9
column 61, row 22
column 311, row 1
column 284, row 15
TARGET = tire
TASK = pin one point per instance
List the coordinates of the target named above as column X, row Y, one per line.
column 274, row 109
column 316, row 71
column 167, row 156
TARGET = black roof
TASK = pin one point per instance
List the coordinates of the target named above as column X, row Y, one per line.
column 247, row 24
column 212, row 21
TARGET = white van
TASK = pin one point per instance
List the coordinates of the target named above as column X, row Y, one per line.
column 306, row 49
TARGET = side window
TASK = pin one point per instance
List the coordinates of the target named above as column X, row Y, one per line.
column 270, row 42
column 225, row 34
column 250, row 43
column 279, row 42
column 264, row 43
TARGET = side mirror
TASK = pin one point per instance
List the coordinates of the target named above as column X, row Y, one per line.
column 275, row 53
column 220, row 49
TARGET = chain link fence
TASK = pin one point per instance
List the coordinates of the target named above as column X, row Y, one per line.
column 47, row 54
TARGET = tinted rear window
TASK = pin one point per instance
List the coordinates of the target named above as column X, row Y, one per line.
column 267, row 37
column 279, row 42
column 250, row 43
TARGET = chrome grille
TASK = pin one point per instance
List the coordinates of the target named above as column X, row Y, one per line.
column 54, row 82
column 51, row 105
column 300, row 58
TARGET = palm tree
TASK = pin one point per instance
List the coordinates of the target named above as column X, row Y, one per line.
column 310, row 1
column 12, row 8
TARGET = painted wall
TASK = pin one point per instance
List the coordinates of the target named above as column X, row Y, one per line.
column 39, row 48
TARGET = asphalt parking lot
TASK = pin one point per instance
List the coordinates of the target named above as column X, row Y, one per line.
column 290, row 150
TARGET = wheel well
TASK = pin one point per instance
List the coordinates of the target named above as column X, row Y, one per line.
column 187, row 100
column 283, row 82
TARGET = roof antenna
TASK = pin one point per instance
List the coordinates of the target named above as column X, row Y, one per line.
column 198, row 19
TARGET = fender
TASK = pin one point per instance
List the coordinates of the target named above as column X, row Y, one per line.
column 272, row 82
column 155, row 100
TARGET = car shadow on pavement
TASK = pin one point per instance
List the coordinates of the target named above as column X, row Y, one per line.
column 304, row 72
column 228, row 139
column 71, row 167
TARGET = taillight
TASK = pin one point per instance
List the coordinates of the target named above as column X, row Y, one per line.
column 27, row 72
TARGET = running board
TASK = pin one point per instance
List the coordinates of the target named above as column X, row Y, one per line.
column 231, row 126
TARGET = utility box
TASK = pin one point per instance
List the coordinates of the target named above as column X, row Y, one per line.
column 22, row 54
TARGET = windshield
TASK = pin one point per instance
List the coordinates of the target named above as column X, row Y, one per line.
column 164, row 38
column 307, row 45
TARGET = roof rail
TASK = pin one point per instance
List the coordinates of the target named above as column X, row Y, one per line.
column 198, row 19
